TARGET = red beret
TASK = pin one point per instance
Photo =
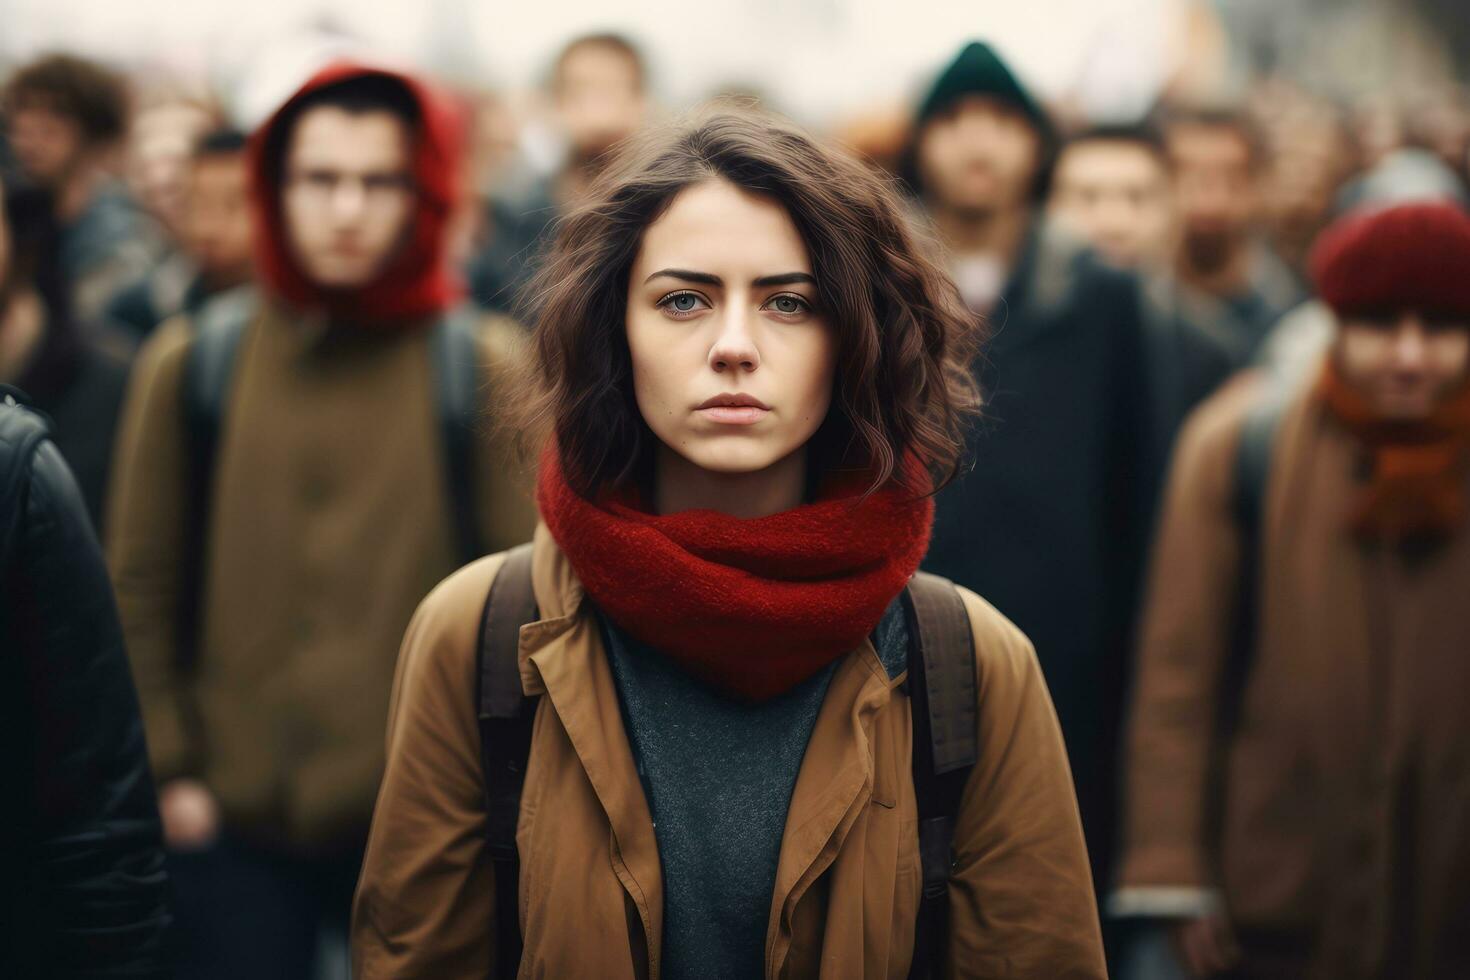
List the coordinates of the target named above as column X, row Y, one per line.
column 1408, row 257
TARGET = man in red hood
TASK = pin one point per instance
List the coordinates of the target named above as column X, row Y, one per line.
column 296, row 471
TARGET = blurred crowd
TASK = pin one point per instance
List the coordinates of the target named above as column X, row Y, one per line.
column 1126, row 271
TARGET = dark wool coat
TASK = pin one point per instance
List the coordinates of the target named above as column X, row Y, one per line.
column 1050, row 521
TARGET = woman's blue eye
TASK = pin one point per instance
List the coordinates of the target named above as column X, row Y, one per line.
column 684, row 302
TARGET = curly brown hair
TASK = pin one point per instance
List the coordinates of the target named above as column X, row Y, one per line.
column 91, row 95
column 903, row 386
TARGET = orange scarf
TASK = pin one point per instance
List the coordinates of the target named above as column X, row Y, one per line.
column 1417, row 485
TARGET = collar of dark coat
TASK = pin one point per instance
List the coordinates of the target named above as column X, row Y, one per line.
column 1040, row 287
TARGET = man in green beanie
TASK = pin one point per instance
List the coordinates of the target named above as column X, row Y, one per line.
column 1051, row 522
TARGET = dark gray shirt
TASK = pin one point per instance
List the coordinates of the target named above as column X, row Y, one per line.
column 718, row 774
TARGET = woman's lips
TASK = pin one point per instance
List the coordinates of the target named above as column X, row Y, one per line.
column 734, row 414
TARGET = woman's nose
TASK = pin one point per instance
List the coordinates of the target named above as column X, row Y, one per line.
column 734, row 348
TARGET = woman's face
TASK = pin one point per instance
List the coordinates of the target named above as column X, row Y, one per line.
column 732, row 359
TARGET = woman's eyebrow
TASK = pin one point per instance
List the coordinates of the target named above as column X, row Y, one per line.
column 688, row 275
column 784, row 279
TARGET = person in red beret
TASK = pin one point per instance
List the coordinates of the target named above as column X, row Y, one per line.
column 1298, row 788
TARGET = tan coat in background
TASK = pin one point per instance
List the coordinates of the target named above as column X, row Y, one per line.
column 330, row 522
column 847, row 885
column 1346, row 829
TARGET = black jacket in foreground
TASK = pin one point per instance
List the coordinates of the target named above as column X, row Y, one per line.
column 83, row 891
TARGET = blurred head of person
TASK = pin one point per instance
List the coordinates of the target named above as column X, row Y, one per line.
column 1216, row 159
column 599, row 91
column 1395, row 281
column 64, row 116
column 1111, row 185
column 736, row 298
column 215, row 226
column 36, row 337
column 353, row 184
column 161, row 140
column 1312, row 154
column 982, row 145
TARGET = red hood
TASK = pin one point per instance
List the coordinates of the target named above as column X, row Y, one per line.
column 419, row 281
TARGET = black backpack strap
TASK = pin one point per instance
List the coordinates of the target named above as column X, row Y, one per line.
column 506, row 716
column 209, row 369
column 455, row 352
column 942, row 688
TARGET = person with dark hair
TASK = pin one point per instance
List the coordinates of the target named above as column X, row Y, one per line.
column 709, row 723
column 84, row 892
column 66, row 119
column 1229, row 277
column 76, row 375
column 1113, row 187
column 214, row 246
column 297, row 469
column 598, row 89
column 1296, row 780
column 1050, row 522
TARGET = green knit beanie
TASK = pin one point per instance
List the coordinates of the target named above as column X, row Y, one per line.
column 978, row 70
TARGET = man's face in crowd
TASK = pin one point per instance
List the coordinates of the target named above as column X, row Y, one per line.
column 47, row 145
column 1405, row 365
column 599, row 98
column 159, row 146
column 349, row 195
column 978, row 157
column 1215, row 190
column 1115, row 194
column 216, row 221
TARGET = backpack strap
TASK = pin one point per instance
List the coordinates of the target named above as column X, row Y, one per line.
column 506, row 716
column 455, row 352
column 209, row 369
column 942, row 688
column 1252, row 473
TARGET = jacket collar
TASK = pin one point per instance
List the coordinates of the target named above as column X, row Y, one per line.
column 562, row 657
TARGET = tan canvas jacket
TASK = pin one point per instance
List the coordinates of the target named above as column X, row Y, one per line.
column 329, row 522
column 591, row 902
column 1344, row 839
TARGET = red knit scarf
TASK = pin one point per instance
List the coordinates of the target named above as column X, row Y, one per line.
column 751, row 606
column 1417, row 485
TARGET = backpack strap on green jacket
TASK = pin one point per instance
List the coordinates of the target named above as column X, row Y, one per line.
column 455, row 352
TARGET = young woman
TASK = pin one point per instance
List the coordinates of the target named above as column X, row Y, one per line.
column 754, row 379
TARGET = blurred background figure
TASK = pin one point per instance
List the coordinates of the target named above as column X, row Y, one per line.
column 213, row 250
column 340, row 416
column 66, row 118
column 75, row 374
column 84, row 891
column 1230, row 278
column 162, row 135
column 1293, row 804
column 598, row 96
column 1113, row 188
column 1051, row 522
